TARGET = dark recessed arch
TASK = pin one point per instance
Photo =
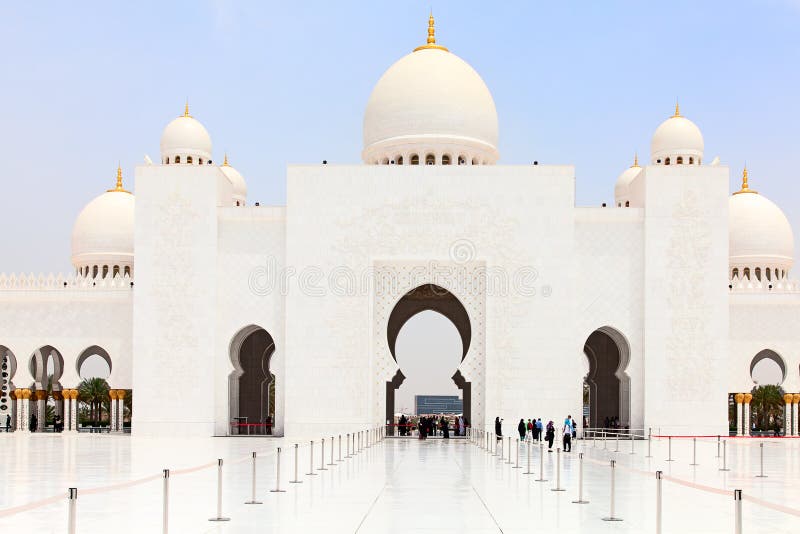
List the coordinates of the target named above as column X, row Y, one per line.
column 94, row 350
column 769, row 354
column 251, row 384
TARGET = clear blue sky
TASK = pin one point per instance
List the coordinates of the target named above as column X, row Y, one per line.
column 585, row 83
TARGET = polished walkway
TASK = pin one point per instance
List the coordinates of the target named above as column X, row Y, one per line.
column 395, row 486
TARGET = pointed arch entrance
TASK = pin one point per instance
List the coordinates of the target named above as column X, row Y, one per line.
column 438, row 299
column 607, row 385
column 251, row 384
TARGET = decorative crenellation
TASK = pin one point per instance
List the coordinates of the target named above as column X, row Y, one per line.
column 59, row 281
column 744, row 285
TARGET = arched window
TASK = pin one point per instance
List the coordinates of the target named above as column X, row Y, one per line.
column 627, row 203
column 188, row 159
column 200, row 161
column 430, row 159
column 116, row 270
column 735, row 273
column 167, row 161
column 177, row 159
column 758, row 273
column 461, row 160
column 746, row 272
column 399, row 160
column 415, row 159
column 666, row 161
column 127, row 271
column 475, row 161
column 691, row 160
column 679, row 160
column 385, row 161
column 105, row 271
column 94, row 272
column 446, row 159
column 768, row 274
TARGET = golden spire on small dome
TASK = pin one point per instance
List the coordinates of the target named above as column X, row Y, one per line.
column 745, row 188
column 677, row 109
column 186, row 109
column 635, row 160
column 431, row 37
column 225, row 162
column 119, row 187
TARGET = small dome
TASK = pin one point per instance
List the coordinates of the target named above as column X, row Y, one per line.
column 760, row 234
column 621, row 191
column 237, row 181
column 103, row 233
column 677, row 141
column 185, row 138
column 430, row 102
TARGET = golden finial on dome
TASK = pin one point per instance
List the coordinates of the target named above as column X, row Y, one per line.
column 745, row 188
column 635, row 159
column 225, row 162
column 431, row 44
column 119, row 187
column 186, row 109
column 677, row 109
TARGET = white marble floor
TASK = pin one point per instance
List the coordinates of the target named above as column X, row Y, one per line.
column 394, row 486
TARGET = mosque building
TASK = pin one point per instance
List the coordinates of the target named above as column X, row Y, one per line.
column 215, row 312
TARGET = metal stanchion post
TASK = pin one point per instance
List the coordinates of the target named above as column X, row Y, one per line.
column 580, row 480
column 694, row 451
column 761, row 475
column 658, row 502
column 737, row 500
column 332, row 462
column 541, row 463
column 219, row 494
column 322, row 456
column 605, row 441
column 253, row 496
column 73, row 510
column 340, row 448
column 509, row 451
column 311, row 459
column 517, row 465
column 296, row 461
column 612, row 517
column 649, row 442
column 633, row 451
column 528, row 472
column 278, row 473
column 165, row 503
column 669, row 441
column 594, row 438
column 616, row 441
column 724, row 456
column 718, row 439
column 558, row 471
column 348, row 446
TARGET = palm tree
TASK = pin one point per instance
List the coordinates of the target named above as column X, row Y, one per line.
column 94, row 392
column 767, row 405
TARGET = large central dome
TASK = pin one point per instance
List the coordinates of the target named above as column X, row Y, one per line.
column 430, row 107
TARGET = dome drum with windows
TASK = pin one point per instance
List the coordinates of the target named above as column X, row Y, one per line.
column 430, row 108
column 185, row 141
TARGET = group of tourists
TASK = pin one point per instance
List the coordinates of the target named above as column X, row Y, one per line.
column 534, row 430
column 432, row 425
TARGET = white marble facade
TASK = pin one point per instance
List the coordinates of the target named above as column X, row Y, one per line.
column 536, row 274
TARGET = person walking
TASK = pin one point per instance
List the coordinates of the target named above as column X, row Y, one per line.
column 445, row 428
column 567, row 430
column 521, row 428
column 461, row 427
column 498, row 428
column 550, row 435
column 8, row 423
column 531, row 429
column 539, row 430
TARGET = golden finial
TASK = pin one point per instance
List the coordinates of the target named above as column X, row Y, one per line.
column 677, row 109
column 225, row 162
column 186, row 109
column 635, row 159
column 745, row 187
column 119, row 187
column 431, row 44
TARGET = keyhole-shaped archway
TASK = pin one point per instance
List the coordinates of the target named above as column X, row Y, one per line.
column 434, row 298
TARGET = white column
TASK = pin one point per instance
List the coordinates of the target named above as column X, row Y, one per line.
column 22, row 403
column 746, row 423
column 787, row 418
column 739, row 397
column 73, row 413
column 114, row 408
column 41, row 410
column 795, row 401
